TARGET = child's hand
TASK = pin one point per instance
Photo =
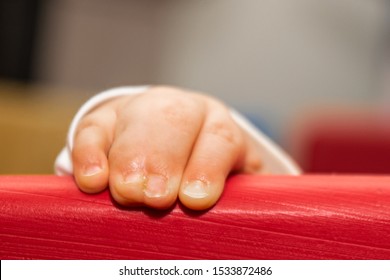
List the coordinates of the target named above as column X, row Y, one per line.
column 163, row 144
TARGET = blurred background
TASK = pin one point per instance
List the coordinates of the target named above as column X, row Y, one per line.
column 301, row 70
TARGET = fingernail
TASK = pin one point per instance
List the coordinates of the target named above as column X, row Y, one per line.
column 128, row 186
column 196, row 189
column 156, row 186
column 135, row 179
column 92, row 170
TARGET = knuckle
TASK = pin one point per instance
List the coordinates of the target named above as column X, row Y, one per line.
column 177, row 111
column 88, row 123
column 254, row 165
column 90, row 134
column 226, row 132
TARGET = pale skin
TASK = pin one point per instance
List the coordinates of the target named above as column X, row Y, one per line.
column 162, row 145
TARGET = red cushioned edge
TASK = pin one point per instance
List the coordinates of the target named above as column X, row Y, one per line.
column 267, row 217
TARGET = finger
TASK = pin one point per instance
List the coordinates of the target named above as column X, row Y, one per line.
column 152, row 144
column 220, row 148
column 91, row 144
column 252, row 162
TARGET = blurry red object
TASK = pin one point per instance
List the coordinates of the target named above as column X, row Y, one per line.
column 344, row 142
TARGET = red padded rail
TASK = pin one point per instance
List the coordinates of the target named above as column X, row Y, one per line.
column 258, row 217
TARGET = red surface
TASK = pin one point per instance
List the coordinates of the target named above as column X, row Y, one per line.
column 341, row 143
column 307, row 217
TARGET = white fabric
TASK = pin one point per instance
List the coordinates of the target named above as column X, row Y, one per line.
column 275, row 160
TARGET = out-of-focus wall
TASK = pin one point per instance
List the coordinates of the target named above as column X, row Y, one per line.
column 98, row 44
column 33, row 125
column 268, row 58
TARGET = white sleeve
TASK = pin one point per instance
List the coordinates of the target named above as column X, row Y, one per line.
column 275, row 160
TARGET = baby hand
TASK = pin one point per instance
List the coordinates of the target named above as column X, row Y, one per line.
column 164, row 144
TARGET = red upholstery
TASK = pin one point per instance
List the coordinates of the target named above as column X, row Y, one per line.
column 307, row 217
